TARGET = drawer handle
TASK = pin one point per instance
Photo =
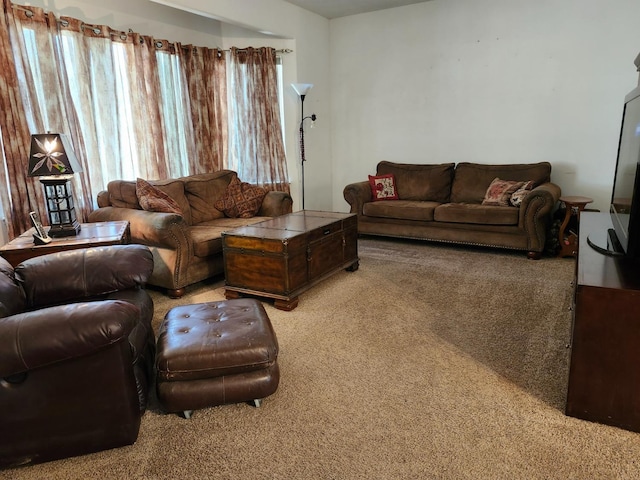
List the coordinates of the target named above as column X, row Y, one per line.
column 326, row 231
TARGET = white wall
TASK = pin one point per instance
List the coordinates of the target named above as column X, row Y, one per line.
column 491, row 81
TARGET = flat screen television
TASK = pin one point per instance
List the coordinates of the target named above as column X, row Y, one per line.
column 624, row 237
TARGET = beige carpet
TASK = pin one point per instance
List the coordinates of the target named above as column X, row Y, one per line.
column 428, row 362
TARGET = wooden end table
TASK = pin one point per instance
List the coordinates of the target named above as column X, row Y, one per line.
column 91, row 235
column 569, row 240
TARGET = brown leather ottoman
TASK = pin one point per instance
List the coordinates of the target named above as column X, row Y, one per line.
column 215, row 353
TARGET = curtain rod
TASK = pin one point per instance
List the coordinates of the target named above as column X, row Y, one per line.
column 64, row 23
column 282, row 50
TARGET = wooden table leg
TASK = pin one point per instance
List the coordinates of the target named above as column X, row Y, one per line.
column 286, row 305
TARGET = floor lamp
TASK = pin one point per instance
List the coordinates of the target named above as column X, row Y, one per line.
column 302, row 89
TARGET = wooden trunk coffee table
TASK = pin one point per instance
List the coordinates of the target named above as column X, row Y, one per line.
column 91, row 235
column 284, row 256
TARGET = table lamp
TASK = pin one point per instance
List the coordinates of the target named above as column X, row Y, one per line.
column 53, row 161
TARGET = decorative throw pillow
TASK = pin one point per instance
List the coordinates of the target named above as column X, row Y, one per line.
column 523, row 191
column 500, row 191
column 240, row 199
column 152, row 199
column 383, row 187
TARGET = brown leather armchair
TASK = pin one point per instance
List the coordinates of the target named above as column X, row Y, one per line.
column 76, row 352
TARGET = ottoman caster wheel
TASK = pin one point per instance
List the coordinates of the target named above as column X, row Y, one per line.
column 257, row 402
column 187, row 414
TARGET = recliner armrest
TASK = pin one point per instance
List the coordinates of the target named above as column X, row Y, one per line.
column 76, row 274
column 55, row 334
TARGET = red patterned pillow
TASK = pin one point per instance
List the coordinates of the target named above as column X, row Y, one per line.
column 240, row 199
column 152, row 199
column 383, row 187
column 499, row 192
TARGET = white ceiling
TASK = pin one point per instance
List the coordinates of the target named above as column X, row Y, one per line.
column 342, row 8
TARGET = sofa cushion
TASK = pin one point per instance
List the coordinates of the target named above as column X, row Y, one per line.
column 240, row 199
column 473, row 213
column 174, row 187
column 203, row 191
column 206, row 240
column 420, row 182
column 500, row 191
column 122, row 194
column 471, row 180
column 152, row 199
column 400, row 209
column 206, row 237
column 383, row 187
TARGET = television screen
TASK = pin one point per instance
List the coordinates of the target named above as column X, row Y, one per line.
column 622, row 198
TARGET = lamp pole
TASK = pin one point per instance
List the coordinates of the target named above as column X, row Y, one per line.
column 302, row 89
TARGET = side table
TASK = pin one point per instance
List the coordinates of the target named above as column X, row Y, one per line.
column 91, row 235
column 569, row 239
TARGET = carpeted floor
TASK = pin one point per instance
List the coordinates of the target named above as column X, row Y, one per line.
column 428, row 362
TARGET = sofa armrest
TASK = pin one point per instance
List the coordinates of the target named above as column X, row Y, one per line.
column 356, row 195
column 55, row 334
column 535, row 213
column 87, row 272
column 165, row 230
column 276, row 204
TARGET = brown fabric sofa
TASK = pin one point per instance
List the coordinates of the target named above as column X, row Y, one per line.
column 443, row 202
column 77, row 352
column 187, row 247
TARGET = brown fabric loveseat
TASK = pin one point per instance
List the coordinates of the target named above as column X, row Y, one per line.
column 186, row 246
column 444, row 202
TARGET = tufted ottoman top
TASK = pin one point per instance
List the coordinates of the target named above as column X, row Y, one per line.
column 206, row 340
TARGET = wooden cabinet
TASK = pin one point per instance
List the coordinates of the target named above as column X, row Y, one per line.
column 604, row 374
column 282, row 257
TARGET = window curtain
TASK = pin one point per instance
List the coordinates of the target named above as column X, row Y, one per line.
column 205, row 72
column 255, row 117
column 133, row 106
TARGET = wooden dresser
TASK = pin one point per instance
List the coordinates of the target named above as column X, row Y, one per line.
column 604, row 375
column 282, row 257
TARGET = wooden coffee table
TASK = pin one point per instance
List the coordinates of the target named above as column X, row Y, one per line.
column 91, row 235
column 284, row 256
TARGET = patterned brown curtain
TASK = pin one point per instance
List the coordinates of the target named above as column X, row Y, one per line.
column 206, row 76
column 255, row 115
column 22, row 194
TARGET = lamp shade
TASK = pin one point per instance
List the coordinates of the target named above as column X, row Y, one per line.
column 302, row 88
column 51, row 155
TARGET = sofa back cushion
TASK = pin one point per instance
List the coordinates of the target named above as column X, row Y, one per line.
column 420, row 182
column 203, row 190
column 471, row 180
column 174, row 187
column 122, row 194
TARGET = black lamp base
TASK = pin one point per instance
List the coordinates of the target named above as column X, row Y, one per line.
column 66, row 230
